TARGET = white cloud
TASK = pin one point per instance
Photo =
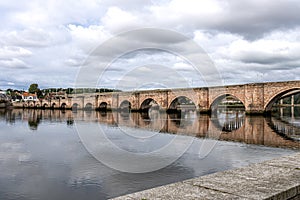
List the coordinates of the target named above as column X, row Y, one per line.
column 251, row 18
column 43, row 14
column 87, row 38
column 178, row 11
column 10, row 83
column 210, row 42
column 35, row 37
column 35, row 16
column 241, row 61
column 116, row 20
column 48, row 40
column 271, row 49
column 12, row 51
column 13, row 64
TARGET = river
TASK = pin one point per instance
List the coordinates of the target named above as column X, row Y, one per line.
column 44, row 154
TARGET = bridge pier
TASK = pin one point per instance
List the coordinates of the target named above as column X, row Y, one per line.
column 256, row 112
column 204, row 111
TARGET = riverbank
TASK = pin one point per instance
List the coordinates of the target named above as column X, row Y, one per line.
column 274, row 179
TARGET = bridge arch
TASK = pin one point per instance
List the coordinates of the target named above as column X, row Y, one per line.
column 125, row 105
column 31, row 105
column 232, row 101
column 182, row 103
column 103, row 106
column 277, row 96
column 75, row 106
column 88, row 106
column 53, row 105
column 149, row 103
column 45, row 105
column 63, row 106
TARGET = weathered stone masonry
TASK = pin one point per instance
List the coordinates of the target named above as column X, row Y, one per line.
column 256, row 97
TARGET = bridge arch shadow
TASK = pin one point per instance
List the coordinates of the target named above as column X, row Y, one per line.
column 103, row 106
column 226, row 101
column 125, row 106
column 149, row 103
column 53, row 105
column 181, row 103
column 278, row 96
column 63, row 106
column 45, row 105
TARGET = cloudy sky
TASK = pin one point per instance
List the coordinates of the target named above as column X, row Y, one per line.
column 49, row 41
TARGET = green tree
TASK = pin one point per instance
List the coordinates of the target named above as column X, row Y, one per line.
column 39, row 93
column 69, row 90
column 9, row 91
column 33, row 88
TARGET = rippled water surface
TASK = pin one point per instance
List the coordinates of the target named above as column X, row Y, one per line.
column 42, row 155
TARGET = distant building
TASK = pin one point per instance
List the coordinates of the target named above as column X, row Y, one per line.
column 2, row 92
column 56, row 95
column 29, row 97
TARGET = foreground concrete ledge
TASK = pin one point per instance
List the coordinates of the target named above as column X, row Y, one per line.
column 273, row 179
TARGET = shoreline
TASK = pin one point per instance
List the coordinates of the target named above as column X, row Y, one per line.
column 278, row 178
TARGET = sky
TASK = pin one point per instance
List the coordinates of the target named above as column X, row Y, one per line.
column 49, row 42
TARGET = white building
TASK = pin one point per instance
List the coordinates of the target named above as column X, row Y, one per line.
column 29, row 97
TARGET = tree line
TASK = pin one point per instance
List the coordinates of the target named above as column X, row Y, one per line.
column 42, row 93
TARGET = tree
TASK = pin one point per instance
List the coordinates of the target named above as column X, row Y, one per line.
column 9, row 91
column 69, row 90
column 33, row 88
column 40, row 93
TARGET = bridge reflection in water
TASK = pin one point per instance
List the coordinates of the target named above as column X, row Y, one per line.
column 282, row 129
column 286, row 122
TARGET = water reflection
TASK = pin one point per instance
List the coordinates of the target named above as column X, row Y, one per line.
column 53, row 163
column 229, row 120
column 34, row 119
column 286, row 122
column 282, row 129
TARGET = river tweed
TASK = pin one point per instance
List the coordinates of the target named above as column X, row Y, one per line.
column 42, row 155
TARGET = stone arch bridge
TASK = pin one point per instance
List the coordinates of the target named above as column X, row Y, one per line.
column 256, row 98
